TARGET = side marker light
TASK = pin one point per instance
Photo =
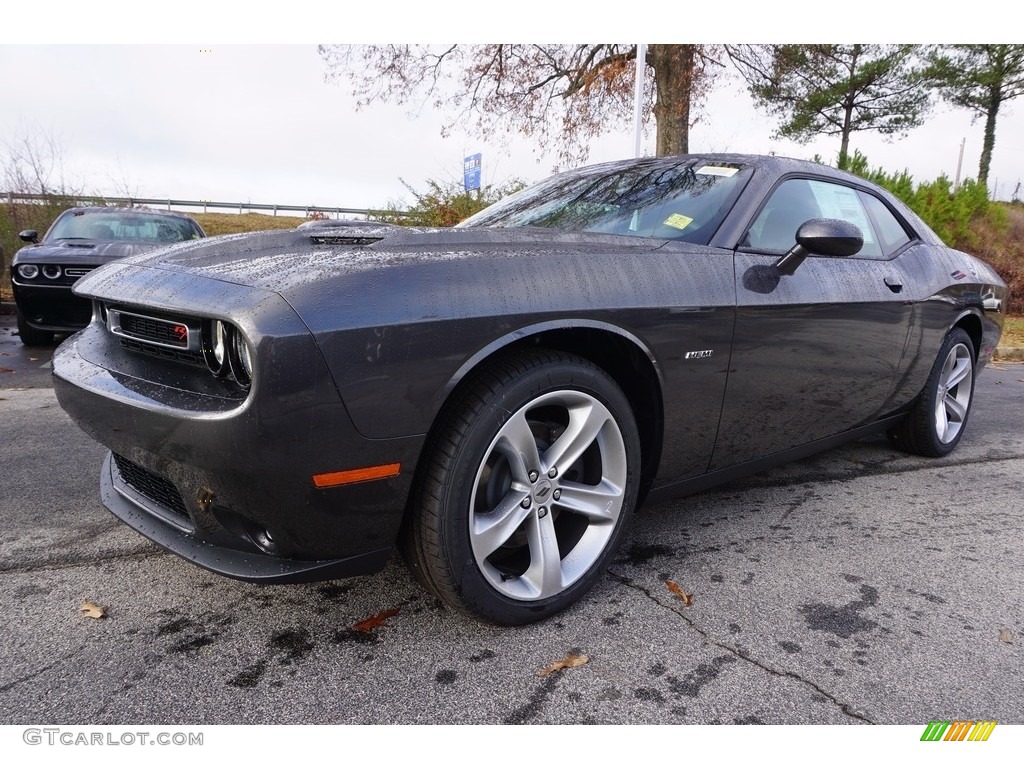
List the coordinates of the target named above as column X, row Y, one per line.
column 350, row 476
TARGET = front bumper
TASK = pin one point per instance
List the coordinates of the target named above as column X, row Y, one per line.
column 227, row 482
column 151, row 520
column 51, row 307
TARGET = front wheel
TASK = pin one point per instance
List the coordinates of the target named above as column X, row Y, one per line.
column 936, row 423
column 528, row 484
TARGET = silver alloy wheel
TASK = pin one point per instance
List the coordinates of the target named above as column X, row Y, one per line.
column 954, row 394
column 547, row 495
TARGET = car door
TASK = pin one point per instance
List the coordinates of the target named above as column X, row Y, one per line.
column 817, row 352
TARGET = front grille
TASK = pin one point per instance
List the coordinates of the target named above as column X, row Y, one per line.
column 153, row 329
column 180, row 355
column 153, row 487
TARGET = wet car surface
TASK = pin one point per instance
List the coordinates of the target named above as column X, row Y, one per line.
column 499, row 397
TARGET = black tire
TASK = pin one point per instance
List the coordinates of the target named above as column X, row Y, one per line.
column 938, row 418
column 31, row 337
column 477, row 490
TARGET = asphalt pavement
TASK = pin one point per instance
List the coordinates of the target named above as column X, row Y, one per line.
column 859, row 586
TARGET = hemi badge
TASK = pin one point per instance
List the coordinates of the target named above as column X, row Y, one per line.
column 698, row 355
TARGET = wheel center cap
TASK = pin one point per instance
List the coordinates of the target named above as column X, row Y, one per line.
column 542, row 491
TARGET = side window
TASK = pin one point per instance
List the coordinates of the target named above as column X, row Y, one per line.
column 790, row 205
column 890, row 231
column 797, row 200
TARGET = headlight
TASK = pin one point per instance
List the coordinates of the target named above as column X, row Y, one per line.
column 226, row 351
column 28, row 271
column 215, row 346
column 241, row 358
column 51, row 271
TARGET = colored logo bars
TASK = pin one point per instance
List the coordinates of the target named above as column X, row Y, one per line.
column 958, row 730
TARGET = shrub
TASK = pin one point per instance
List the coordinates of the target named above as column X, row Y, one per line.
column 444, row 204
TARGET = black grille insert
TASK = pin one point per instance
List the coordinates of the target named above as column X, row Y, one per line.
column 181, row 355
column 154, row 329
column 153, row 487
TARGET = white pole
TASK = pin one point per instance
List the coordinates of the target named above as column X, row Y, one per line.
column 638, row 97
column 959, row 164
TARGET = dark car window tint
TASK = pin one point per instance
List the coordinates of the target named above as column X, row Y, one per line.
column 101, row 225
column 679, row 201
column 890, row 231
column 798, row 200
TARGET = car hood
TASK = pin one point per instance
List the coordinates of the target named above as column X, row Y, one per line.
column 81, row 252
column 280, row 261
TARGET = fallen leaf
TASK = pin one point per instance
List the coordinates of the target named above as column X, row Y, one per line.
column 572, row 660
column 33, row 359
column 6, row 370
column 1006, row 636
column 377, row 620
column 686, row 597
column 91, row 610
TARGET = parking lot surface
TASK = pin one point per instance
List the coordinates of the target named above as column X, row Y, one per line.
column 860, row 586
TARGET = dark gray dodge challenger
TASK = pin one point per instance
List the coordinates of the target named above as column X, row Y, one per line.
column 499, row 397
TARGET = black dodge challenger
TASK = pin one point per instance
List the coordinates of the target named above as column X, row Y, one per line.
column 79, row 241
column 497, row 398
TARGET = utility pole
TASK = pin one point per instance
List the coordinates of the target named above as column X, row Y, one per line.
column 959, row 165
column 638, row 96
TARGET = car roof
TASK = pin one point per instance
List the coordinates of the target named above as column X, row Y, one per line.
column 134, row 211
column 768, row 170
column 776, row 164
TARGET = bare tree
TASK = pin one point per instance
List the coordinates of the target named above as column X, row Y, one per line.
column 561, row 96
column 31, row 163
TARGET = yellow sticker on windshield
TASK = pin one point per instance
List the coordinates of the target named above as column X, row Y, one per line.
column 678, row 221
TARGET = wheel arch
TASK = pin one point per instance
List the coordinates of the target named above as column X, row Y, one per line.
column 621, row 354
column 970, row 322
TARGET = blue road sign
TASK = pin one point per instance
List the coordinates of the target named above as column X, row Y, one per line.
column 471, row 171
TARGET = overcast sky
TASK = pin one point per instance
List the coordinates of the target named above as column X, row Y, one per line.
column 212, row 120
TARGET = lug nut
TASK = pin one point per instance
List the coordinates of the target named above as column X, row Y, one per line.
column 553, row 472
column 534, row 475
column 525, row 503
column 557, row 494
column 542, row 512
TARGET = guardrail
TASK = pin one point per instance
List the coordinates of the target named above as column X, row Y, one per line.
column 306, row 210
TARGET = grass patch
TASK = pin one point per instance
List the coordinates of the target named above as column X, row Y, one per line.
column 1013, row 332
column 233, row 223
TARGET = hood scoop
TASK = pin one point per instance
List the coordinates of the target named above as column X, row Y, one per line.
column 347, row 238
column 347, row 231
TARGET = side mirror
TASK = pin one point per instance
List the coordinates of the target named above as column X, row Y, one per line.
column 29, row 236
column 825, row 237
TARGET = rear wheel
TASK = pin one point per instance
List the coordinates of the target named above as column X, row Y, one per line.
column 31, row 337
column 526, row 489
column 936, row 423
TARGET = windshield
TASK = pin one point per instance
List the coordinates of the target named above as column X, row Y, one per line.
column 684, row 199
column 114, row 225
